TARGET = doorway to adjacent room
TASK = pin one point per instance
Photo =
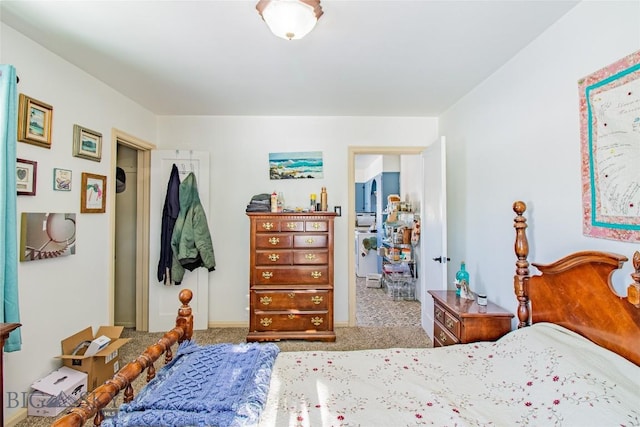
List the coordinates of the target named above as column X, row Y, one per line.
column 370, row 305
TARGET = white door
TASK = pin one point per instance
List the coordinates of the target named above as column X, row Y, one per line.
column 163, row 300
column 433, row 236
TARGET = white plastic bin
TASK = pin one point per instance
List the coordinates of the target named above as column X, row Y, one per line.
column 374, row 280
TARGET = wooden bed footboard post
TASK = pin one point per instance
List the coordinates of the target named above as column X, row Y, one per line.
column 93, row 404
column 185, row 314
column 521, row 279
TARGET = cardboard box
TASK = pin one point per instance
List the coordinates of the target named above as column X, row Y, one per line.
column 100, row 366
column 56, row 392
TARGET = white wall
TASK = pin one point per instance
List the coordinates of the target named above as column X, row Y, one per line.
column 239, row 149
column 516, row 137
column 59, row 297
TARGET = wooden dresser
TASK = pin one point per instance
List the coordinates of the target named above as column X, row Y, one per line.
column 291, row 276
column 460, row 321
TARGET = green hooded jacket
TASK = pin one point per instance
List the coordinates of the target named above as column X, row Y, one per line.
column 191, row 240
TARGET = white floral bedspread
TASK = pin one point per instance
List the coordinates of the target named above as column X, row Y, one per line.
column 543, row 375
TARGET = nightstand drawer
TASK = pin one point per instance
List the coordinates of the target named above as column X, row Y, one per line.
column 447, row 320
column 442, row 337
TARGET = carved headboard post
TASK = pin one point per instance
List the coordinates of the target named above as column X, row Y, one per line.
column 633, row 291
column 521, row 279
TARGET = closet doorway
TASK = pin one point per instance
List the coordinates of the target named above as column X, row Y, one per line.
column 129, row 300
column 125, row 247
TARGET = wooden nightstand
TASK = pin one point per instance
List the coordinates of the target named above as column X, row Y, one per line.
column 460, row 321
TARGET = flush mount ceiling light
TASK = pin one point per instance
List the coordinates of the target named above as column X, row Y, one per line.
column 290, row 19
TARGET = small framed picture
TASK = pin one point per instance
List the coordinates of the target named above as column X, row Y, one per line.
column 93, row 198
column 61, row 179
column 26, row 174
column 87, row 143
column 34, row 121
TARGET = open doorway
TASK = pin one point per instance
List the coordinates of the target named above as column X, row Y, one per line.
column 130, row 270
column 356, row 284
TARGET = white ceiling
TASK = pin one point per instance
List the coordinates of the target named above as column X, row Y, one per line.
column 364, row 58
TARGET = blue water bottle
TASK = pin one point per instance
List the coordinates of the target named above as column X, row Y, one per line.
column 462, row 276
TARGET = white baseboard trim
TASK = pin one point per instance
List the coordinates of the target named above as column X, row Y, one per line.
column 244, row 324
column 228, row 324
column 19, row 415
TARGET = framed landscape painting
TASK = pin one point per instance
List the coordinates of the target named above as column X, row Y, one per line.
column 87, row 143
column 34, row 121
column 296, row 165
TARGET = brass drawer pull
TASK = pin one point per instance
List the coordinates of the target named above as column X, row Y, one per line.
column 438, row 314
column 266, row 321
column 274, row 240
column 291, row 295
column 267, row 274
column 291, row 316
column 265, row 300
column 274, row 257
column 443, row 337
column 310, row 240
column 291, row 225
column 316, row 274
column 448, row 323
column 267, row 225
column 310, row 256
column 317, row 321
column 316, row 225
column 316, row 299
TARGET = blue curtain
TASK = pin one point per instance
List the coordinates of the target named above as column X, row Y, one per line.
column 9, row 310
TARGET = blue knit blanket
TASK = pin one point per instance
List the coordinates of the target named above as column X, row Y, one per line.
column 223, row 385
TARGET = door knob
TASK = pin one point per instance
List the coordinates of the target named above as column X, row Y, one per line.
column 441, row 259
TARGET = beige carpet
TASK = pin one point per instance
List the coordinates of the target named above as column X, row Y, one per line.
column 382, row 323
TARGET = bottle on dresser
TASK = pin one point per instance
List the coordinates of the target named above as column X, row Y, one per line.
column 323, row 200
column 462, row 278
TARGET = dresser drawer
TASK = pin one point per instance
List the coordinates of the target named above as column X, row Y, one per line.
column 442, row 337
column 286, row 300
column 316, row 225
column 310, row 241
column 310, row 257
column 273, row 240
column 291, row 225
column 266, row 225
column 293, row 321
column 274, row 257
column 301, row 275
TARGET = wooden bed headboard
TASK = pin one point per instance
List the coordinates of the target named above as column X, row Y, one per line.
column 576, row 292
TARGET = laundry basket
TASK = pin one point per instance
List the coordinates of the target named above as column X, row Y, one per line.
column 374, row 280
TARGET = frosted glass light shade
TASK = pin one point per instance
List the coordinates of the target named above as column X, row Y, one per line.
column 290, row 19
